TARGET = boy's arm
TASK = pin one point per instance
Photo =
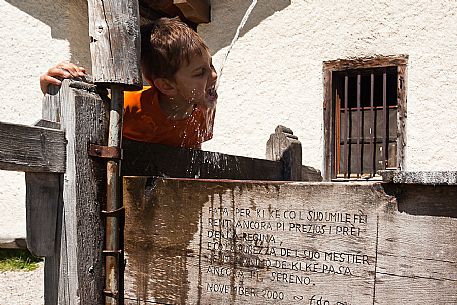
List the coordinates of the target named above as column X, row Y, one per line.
column 61, row 70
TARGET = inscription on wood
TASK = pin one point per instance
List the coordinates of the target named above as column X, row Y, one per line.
column 215, row 242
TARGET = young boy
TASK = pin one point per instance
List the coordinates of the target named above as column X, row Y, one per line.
column 178, row 108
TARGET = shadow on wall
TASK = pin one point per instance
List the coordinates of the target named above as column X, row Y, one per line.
column 67, row 19
column 226, row 16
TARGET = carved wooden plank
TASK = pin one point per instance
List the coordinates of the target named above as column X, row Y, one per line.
column 115, row 44
column 74, row 274
column 249, row 243
column 197, row 11
column 31, row 149
column 220, row 242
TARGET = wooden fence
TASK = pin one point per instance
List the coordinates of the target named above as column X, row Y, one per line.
column 66, row 183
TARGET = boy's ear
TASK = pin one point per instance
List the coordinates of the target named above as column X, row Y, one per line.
column 165, row 86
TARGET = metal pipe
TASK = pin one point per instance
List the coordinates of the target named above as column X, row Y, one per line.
column 113, row 204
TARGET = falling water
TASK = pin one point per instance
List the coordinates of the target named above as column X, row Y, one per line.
column 235, row 38
column 215, row 160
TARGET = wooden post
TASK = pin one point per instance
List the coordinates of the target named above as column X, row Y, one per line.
column 284, row 145
column 74, row 273
column 115, row 52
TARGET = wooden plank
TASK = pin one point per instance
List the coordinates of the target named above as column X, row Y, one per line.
column 31, row 149
column 74, row 274
column 417, row 260
column 115, row 42
column 197, row 11
column 366, row 62
column 219, row 242
column 164, row 6
column 146, row 159
column 42, row 201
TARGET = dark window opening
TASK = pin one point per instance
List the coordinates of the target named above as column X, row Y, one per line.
column 365, row 121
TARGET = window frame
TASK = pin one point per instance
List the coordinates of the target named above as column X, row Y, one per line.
column 400, row 61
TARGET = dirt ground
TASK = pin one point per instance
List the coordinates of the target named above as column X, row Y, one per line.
column 22, row 287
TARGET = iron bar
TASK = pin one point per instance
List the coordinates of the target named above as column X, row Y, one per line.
column 386, row 121
column 373, row 128
column 346, row 137
column 113, row 204
column 359, row 156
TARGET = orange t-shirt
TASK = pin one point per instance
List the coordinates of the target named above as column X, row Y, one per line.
column 144, row 121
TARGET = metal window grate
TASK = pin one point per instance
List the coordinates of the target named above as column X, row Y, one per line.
column 365, row 121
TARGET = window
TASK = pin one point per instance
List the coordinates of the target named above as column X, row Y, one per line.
column 364, row 114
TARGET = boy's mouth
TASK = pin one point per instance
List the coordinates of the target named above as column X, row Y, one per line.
column 211, row 94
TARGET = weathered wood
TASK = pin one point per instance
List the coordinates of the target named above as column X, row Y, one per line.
column 42, row 198
column 284, row 146
column 329, row 148
column 31, row 149
column 146, row 159
column 417, row 260
column 115, row 42
column 43, row 192
column 74, row 274
column 197, row 11
column 220, row 242
column 365, row 62
column 163, row 6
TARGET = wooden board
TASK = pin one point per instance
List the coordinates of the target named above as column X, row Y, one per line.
column 74, row 273
column 221, row 242
column 31, row 149
column 148, row 159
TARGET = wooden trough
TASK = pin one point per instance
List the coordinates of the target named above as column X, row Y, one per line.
column 249, row 242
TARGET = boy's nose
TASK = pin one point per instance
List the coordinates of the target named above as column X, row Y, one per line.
column 213, row 74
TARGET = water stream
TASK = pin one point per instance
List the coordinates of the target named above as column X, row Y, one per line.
column 235, row 38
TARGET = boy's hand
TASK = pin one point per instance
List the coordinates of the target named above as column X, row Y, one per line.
column 60, row 71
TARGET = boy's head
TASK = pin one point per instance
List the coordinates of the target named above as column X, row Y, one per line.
column 167, row 44
column 177, row 61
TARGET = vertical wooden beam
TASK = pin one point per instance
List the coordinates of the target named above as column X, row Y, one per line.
column 328, row 123
column 402, row 86
column 115, row 51
column 284, row 145
column 74, row 274
column 114, row 42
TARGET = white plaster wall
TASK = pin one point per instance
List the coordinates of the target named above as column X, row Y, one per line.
column 34, row 35
column 274, row 72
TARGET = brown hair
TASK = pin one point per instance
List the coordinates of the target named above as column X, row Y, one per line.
column 165, row 44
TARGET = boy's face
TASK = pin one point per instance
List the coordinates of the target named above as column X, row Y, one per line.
column 195, row 81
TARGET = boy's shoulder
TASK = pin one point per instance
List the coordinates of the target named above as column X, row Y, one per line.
column 132, row 99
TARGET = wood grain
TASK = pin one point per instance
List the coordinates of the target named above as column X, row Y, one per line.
column 147, row 159
column 115, row 43
column 31, row 149
column 74, row 274
column 221, row 242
